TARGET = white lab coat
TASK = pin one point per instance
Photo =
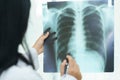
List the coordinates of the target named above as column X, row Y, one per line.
column 22, row 71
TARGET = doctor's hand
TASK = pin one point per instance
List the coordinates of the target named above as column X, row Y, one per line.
column 73, row 69
column 39, row 43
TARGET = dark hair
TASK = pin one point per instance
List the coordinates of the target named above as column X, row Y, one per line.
column 14, row 16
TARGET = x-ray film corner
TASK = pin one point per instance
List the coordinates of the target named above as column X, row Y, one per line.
column 81, row 29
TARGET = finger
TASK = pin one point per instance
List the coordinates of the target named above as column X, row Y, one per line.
column 69, row 58
column 53, row 33
column 41, row 39
column 47, row 30
column 62, row 67
column 71, row 61
column 44, row 36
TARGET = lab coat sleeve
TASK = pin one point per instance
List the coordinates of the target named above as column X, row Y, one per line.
column 68, row 77
column 34, row 55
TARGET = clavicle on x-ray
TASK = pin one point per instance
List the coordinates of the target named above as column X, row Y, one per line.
column 81, row 29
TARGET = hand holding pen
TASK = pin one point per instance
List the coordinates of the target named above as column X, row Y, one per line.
column 73, row 68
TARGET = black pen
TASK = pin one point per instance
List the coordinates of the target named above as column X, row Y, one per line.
column 66, row 66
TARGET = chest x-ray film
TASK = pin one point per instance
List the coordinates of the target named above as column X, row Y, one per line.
column 82, row 29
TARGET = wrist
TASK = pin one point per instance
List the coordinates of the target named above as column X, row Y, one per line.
column 79, row 77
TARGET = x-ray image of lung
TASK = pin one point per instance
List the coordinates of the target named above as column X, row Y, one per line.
column 81, row 29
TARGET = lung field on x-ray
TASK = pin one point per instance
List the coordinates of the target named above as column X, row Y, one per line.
column 65, row 28
column 80, row 33
column 93, row 28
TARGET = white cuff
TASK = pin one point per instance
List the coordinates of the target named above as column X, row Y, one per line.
column 68, row 77
column 34, row 55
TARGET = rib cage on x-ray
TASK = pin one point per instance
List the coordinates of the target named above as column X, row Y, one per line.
column 92, row 26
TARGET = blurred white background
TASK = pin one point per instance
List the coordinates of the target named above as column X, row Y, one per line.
column 35, row 29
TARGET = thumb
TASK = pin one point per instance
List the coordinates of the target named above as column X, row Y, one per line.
column 46, row 35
